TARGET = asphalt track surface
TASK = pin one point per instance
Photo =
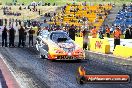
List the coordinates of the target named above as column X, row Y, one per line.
column 31, row 71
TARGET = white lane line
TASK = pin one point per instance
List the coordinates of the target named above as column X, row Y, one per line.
column 0, row 84
column 8, row 66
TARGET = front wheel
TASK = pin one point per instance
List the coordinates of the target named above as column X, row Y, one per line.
column 42, row 56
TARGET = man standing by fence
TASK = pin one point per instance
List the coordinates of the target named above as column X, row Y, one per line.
column 4, row 37
column 11, row 36
column 31, row 32
column 21, row 37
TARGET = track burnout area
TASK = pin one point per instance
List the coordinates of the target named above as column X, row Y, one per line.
column 30, row 71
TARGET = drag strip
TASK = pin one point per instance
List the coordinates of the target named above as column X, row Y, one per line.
column 32, row 72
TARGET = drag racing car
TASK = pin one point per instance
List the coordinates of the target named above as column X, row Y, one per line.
column 57, row 45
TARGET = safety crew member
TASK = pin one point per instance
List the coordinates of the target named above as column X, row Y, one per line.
column 94, row 32
column 21, row 37
column 117, row 34
column 4, row 37
column 11, row 36
column 31, row 32
column 108, row 31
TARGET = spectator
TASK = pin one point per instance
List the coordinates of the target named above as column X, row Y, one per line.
column 23, row 4
column 1, row 22
column 29, row 23
column 108, row 31
column 72, row 32
column 5, row 21
column 11, row 36
column 28, row 7
column 10, row 22
column 4, row 37
column 124, row 6
column 45, row 4
column 20, row 22
column 20, row 8
column 85, row 38
column 25, row 35
column 112, row 29
column 101, row 36
column 45, row 21
column 45, row 14
column 94, row 32
column 71, row 9
column 127, row 33
column 48, row 4
column 48, row 14
column 16, row 22
column 21, row 37
column 54, row 4
column 39, row 30
column 39, row 12
column 31, row 32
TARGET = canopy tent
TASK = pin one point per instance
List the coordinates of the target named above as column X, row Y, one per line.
column 33, row 3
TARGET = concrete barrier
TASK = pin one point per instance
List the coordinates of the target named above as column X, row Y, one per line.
column 123, row 51
column 95, row 44
column 79, row 41
column 99, row 45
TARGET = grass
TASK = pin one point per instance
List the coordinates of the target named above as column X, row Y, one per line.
column 62, row 2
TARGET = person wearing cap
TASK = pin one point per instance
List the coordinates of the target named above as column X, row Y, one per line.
column 117, row 34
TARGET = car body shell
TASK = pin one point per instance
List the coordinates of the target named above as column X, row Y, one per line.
column 54, row 50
